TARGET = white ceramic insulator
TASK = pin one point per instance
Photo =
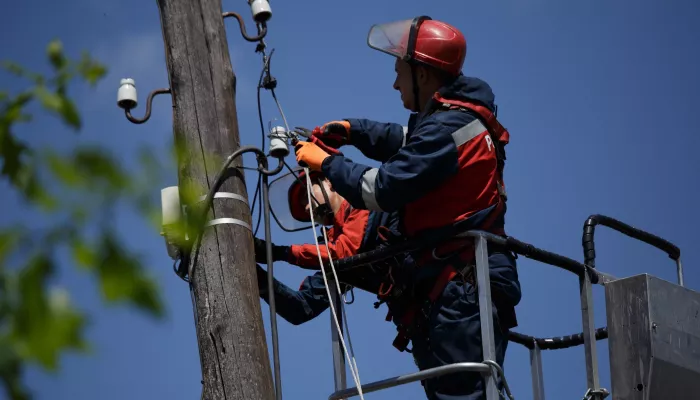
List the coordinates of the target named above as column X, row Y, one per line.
column 127, row 97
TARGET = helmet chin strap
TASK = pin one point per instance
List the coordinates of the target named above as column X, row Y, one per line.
column 416, row 89
column 410, row 50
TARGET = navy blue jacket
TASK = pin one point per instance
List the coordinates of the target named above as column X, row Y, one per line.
column 440, row 171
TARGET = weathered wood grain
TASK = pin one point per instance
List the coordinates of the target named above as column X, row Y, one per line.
column 230, row 331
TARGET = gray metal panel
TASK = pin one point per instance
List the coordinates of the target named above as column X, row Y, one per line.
column 675, row 324
column 654, row 339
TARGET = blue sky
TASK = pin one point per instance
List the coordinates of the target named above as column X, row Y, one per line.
column 600, row 99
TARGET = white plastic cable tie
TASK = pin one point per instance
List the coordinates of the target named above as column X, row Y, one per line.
column 235, row 221
column 226, row 195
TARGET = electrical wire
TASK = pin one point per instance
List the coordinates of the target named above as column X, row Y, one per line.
column 353, row 371
column 265, row 70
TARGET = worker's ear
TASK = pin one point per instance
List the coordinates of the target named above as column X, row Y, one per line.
column 423, row 75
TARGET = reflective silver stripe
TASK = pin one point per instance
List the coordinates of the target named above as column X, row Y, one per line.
column 468, row 132
column 368, row 192
column 405, row 132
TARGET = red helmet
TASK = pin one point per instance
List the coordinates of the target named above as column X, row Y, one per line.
column 423, row 40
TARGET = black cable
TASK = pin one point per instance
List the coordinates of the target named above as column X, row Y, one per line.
column 554, row 343
column 262, row 147
column 265, row 71
column 260, row 207
column 508, row 243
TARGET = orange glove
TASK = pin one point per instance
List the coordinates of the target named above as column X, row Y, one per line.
column 310, row 154
column 334, row 133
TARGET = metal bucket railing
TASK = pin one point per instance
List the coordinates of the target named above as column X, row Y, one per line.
column 587, row 274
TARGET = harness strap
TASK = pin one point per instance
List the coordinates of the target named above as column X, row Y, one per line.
column 498, row 133
column 448, row 273
column 494, row 126
column 500, row 138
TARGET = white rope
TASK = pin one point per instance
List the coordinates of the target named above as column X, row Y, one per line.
column 353, row 364
column 345, row 317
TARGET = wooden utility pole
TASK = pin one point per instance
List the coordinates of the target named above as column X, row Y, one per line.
column 230, row 332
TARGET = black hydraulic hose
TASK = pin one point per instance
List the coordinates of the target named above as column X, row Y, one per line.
column 589, row 231
column 554, row 343
column 547, row 257
column 509, row 243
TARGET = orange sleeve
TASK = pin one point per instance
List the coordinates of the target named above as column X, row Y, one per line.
column 346, row 244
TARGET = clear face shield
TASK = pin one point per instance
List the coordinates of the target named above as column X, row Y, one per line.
column 281, row 207
column 391, row 37
column 398, row 39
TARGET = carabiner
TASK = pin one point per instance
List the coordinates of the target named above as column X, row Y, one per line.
column 352, row 291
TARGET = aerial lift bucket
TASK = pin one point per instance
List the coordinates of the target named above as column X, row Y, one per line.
column 653, row 325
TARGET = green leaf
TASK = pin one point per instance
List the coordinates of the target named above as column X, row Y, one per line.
column 55, row 52
column 50, row 101
column 100, row 167
column 91, row 70
column 22, row 72
column 11, row 371
column 83, row 254
column 64, row 169
column 27, row 182
column 8, row 242
column 69, row 112
column 59, row 104
column 38, row 314
column 123, row 279
column 14, row 68
column 11, row 151
column 11, row 112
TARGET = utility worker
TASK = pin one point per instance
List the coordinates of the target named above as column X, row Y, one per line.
column 444, row 173
column 352, row 231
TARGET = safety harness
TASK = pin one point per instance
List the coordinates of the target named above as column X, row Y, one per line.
column 418, row 311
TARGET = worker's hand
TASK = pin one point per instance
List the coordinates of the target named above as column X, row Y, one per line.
column 279, row 253
column 310, row 154
column 335, row 133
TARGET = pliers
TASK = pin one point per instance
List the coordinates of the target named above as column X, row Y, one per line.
column 311, row 136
